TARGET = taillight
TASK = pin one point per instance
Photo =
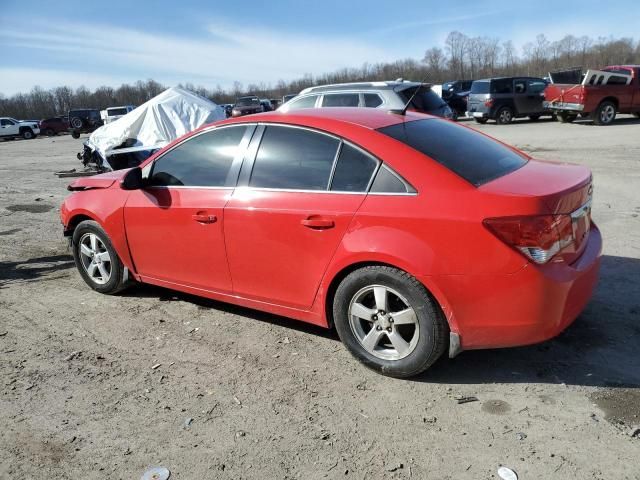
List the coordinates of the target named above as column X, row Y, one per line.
column 539, row 238
column 488, row 103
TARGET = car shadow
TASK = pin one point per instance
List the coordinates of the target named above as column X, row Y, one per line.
column 33, row 269
column 167, row 295
column 599, row 349
column 617, row 122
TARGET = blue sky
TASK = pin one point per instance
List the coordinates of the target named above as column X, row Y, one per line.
column 111, row 42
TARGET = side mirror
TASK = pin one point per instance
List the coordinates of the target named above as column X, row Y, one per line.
column 133, row 180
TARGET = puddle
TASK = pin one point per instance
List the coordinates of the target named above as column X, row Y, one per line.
column 620, row 405
column 496, row 407
column 11, row 232
column 30, row 208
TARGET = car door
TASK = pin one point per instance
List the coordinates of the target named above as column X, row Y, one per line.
column 297, row 193
column 8, row 127
column 175, row 225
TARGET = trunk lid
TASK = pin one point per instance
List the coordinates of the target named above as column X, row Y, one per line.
column 555, row 189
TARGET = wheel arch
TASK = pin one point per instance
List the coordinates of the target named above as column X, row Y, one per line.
column 433, row 291
column 75, row 220
column 611, row 99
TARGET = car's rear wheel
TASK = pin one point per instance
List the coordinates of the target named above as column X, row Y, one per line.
column 388, row 321
column 96, row 259
column 504, row 116
column 605, row 114
column 75, row 134
column 49, row 132
column 481, row 120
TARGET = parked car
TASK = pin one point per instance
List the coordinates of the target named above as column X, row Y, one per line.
column 247, row 106
column 506, row 98
column 384, row 95
column 84, row 120
column 54, row 126
column 12, row 128
column 601, row 95
column 286, row 98
column 267, row 106
column 455, row 93
column 275, row 102
column 410, row 234
column 114, row 113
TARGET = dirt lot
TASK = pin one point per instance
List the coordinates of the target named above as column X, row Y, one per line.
column 241, row 394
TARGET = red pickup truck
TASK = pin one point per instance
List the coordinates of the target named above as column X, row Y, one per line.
column 601, row 95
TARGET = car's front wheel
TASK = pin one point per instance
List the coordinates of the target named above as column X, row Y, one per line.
column 96, row 259
column 28, row 134
column 388, row 321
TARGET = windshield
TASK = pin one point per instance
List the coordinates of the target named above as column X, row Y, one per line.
column 467, row 153
column 426, row 100
column 247, row 101
column 480, row 87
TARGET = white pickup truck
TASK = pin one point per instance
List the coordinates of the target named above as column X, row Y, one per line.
column 12, row 128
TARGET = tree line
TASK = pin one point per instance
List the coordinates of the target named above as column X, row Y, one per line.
column 460, row 58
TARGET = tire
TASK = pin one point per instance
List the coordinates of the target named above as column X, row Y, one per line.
column 566, row 117
column 49, row 132
column 636, row 114
column 397, row 351
column 534, row 118
column 98, row 263
column 482, row 121
column 504, row 116
column 76, row 122
column 454, row 116
column 605, row 114
column 28, row 134
column 75, row 134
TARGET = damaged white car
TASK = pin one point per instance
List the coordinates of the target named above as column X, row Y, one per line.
column 135, row 136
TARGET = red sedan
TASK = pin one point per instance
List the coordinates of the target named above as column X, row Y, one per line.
column 410, row 234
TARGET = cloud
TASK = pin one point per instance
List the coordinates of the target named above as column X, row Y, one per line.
column 220, row 54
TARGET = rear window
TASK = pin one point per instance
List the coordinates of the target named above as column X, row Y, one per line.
column 480, row 87
column 469, row 154
column 425, row 100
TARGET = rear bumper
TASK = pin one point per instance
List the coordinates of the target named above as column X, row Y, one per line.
column 530, row 306
column 561, row 106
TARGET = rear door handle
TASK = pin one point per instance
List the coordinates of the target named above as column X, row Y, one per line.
column 318, row 222
column 204, row 218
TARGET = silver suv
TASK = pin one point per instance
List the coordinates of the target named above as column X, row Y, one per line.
column 386, row 95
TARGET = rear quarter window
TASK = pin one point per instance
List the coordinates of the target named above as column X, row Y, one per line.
column 467, row 153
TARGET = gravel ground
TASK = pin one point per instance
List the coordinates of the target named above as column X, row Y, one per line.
column 237, row 394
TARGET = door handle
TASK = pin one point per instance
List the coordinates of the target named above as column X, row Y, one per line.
column 203, row 218
column 318, row 222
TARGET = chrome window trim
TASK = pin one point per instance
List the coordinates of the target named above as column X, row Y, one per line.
column 296, row 190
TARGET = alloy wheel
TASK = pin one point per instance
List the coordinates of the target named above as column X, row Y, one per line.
column 95, row 258
column 607, row 114
column 383, row 322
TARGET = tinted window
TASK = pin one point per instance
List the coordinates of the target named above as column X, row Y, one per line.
column 202, row 161
column 388, row 182
column 372, row 100
column 480, row 87
column 353, row 171
column 247, row 101
column 304, row 102
column 536, row 86
column 294, row 158
column 117, row 111
column 617, row 80
column 6, row 122
column 425, row 100
column 520, row 86
column 502, row 85
column 341, row 100
column 471, row 155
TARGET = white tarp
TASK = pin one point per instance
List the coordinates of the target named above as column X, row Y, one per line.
column 156, row 123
